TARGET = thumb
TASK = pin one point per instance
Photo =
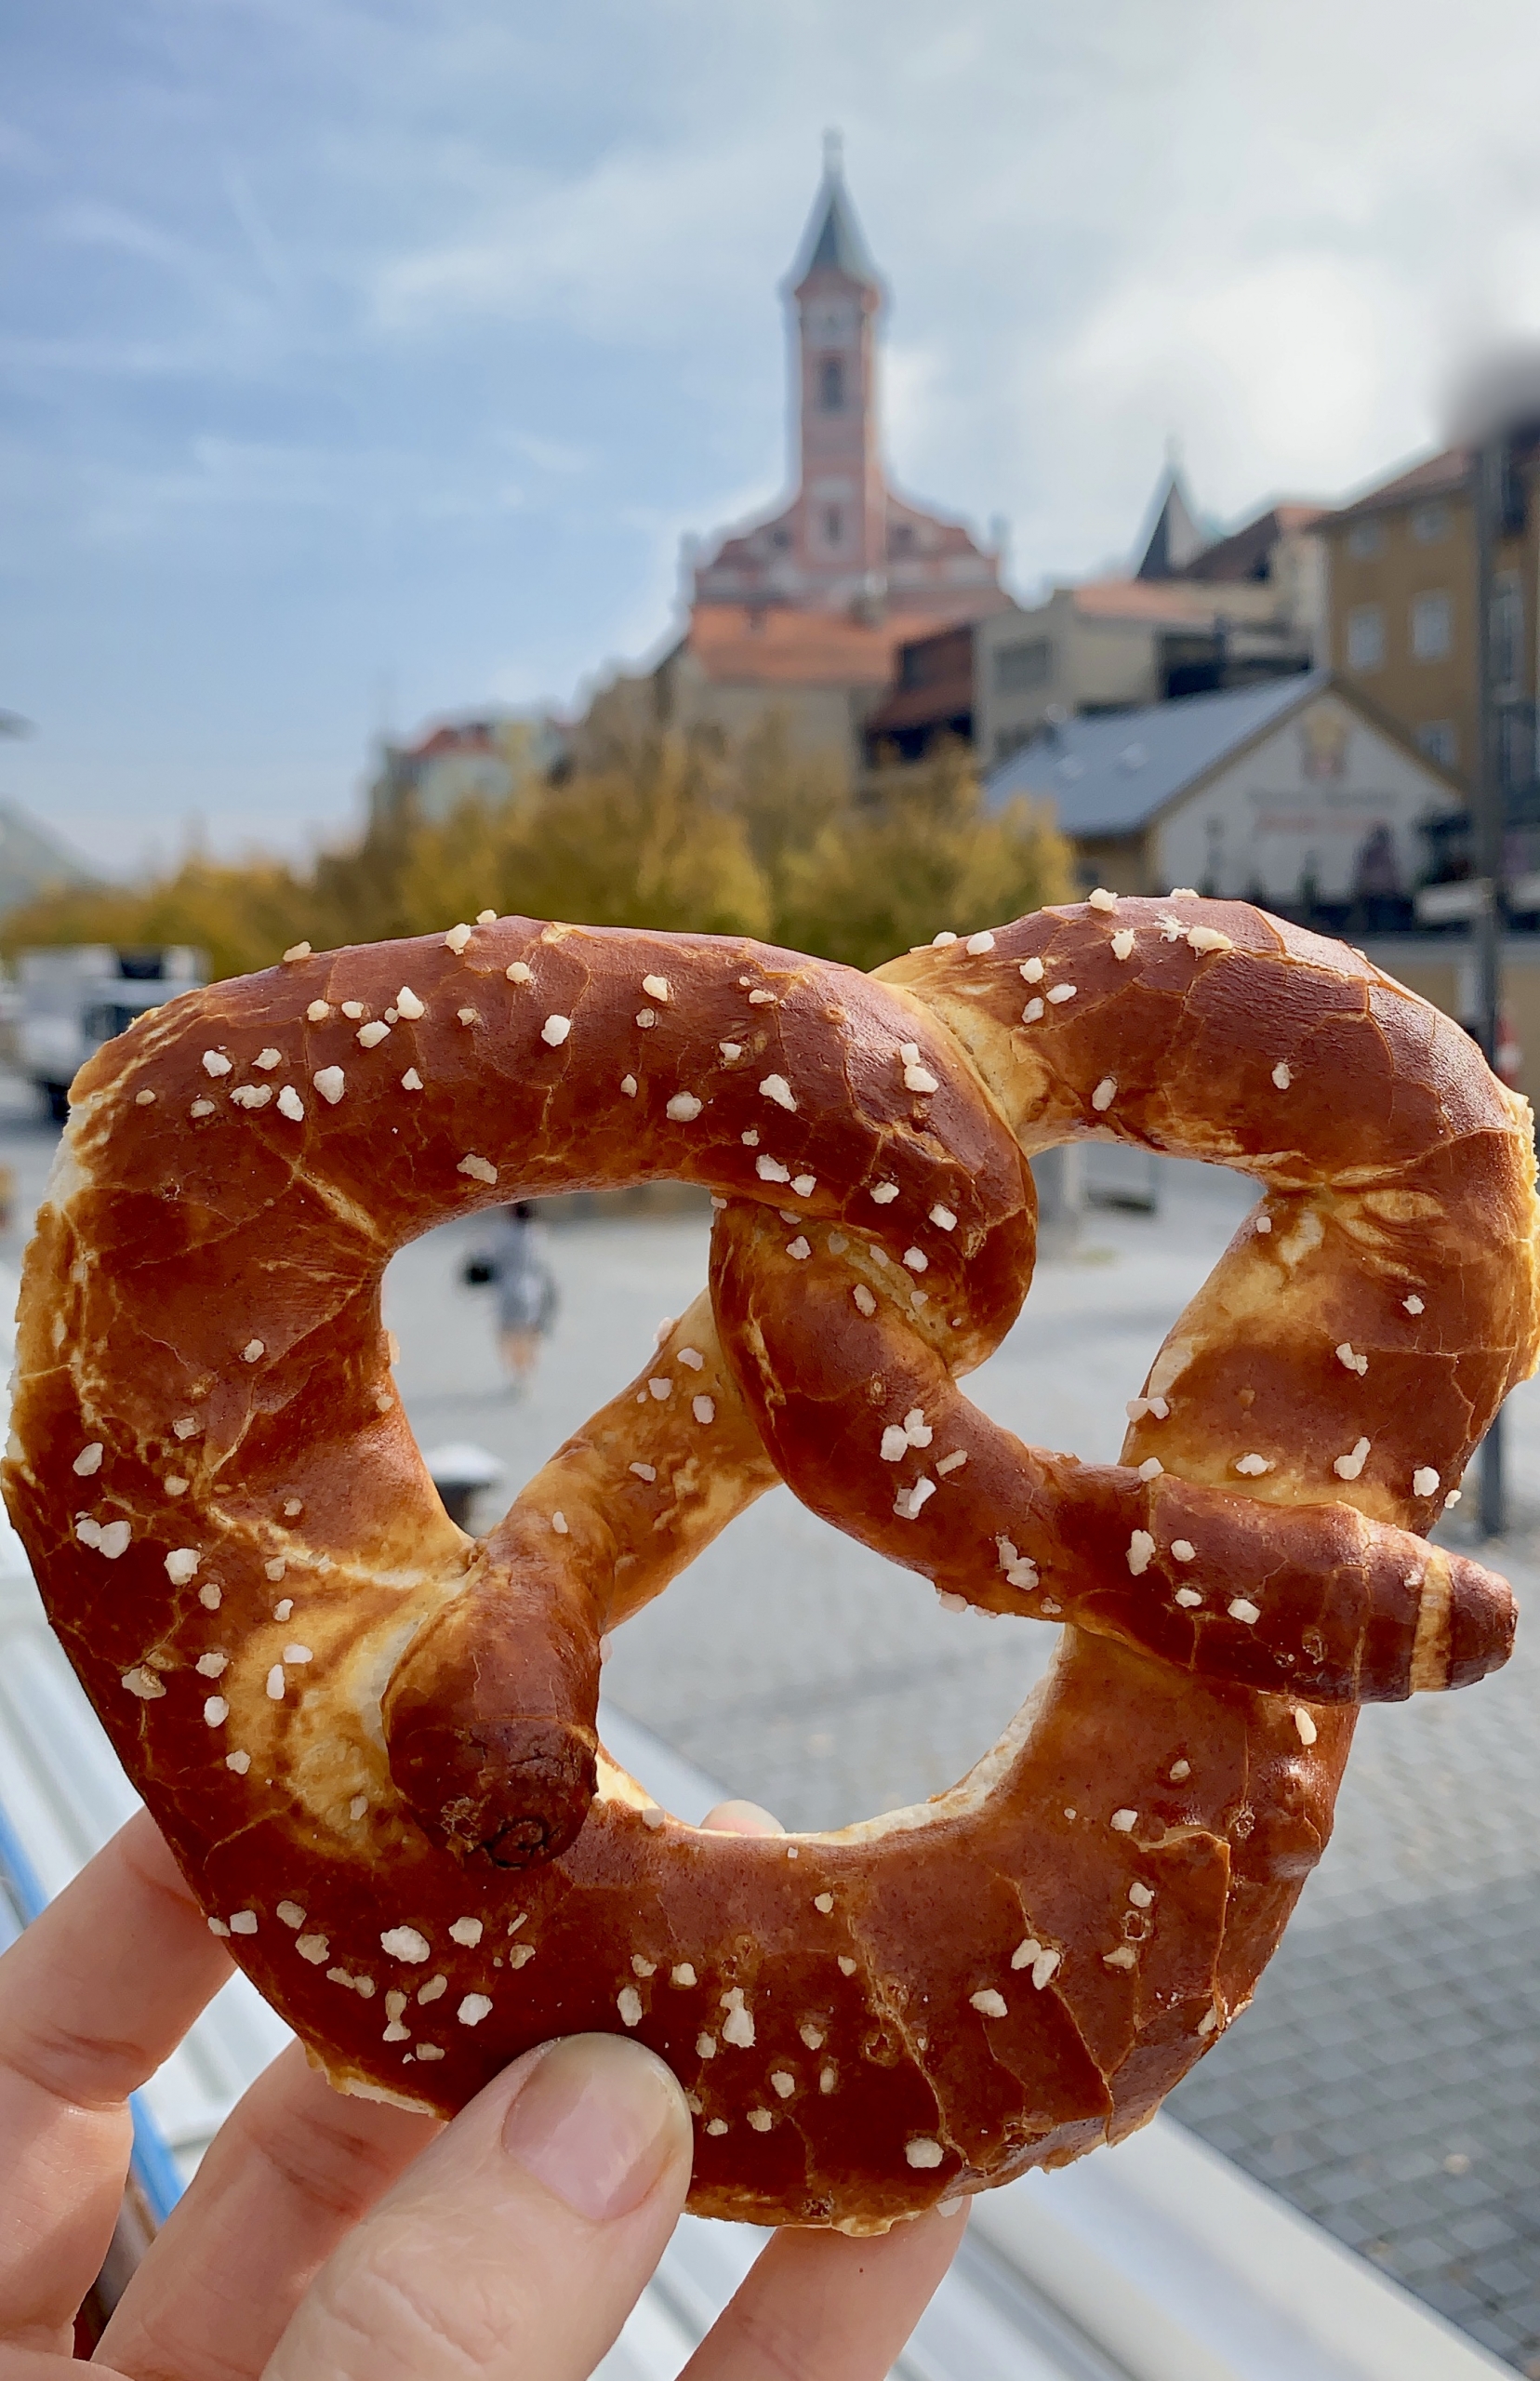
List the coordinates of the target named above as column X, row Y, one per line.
column 519, row 2241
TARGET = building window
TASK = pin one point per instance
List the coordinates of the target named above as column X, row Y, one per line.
column 1019, row 669
column 1507, row 633
column 832, row 384
column 1365, row 539
column 1429, row 524
column 833, row 523
column 1438, row 740
column 1366, row 637
column 1431, row 627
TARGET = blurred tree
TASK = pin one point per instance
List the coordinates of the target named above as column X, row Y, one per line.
column 915, row 851
column 656, row 829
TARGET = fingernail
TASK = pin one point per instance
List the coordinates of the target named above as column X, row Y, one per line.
column 597, row 2122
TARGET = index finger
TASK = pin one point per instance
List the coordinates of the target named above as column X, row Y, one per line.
column 95, row 1995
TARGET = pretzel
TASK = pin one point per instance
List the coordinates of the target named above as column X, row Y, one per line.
column 371, row 1740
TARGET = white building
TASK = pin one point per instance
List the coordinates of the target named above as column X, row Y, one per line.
column 1296, row 794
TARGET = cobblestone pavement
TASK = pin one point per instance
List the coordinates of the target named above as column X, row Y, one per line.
column 1386, row 2079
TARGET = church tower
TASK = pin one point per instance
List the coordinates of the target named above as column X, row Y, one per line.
column 841, row 512
column 845, row 542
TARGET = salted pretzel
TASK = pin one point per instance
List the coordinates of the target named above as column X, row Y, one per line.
column 371, row 1739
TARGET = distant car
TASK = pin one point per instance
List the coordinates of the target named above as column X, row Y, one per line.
column 74, row 998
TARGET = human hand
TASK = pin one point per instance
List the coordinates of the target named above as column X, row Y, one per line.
column 326, row 2238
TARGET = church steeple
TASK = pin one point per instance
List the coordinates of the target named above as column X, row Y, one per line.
column 833, row 241
column 841, row 509
column 844, row 541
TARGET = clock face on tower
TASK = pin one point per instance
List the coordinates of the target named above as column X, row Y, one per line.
column 832, row 324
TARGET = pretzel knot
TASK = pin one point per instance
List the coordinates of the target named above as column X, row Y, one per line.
column 371, row 1741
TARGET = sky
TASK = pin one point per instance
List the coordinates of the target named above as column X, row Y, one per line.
column 362, row 361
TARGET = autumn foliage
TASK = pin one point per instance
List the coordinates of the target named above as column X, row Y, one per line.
column 662, row 831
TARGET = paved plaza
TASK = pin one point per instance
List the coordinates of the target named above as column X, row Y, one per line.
column 1386, row 2079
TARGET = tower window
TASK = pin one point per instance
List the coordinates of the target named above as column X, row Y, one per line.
column 833, row 523
column 832, row 384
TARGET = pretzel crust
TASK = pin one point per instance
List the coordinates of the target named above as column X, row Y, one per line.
column 371, row 1742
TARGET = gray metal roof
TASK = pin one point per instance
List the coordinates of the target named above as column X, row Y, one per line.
column 1107, row 775
column 833, row 241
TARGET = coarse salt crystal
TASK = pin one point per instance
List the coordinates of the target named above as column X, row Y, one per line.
column 369, row 1037
column 776, row 1088
column 1425, row 1481
column 1281, row 1076
column 1031, row 971
column 627, row 1087
column 1348, row 1466
column 1124, row 1822
column 1188, row 1597
column 977, row 944
column 216, row 1063
column 1104, row 1095
column 181, row 1565
column 770, row 1169
column 865, row 1303
column 883, row 1194
column 1062, row 992
column 253, row 1353
column 456, row 939
column 291, row 1105
column 555, row 1031
column 1102, row 900
column 703, row 1409
column 656, row 988
column 1413, row 1305
column 1206, row 939
column 1122, row 943
column 1305, row 1725
column 1032, row 1011
column 1241, row 1608
column 518, row 973
column 296, row 950
column 1141, row 1551
column 1253, row 1465
column 331, row 1084
column 683, row 1108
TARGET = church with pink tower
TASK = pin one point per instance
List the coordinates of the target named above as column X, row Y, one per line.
column 846, row 543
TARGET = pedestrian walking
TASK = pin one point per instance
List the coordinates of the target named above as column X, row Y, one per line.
column 513, row 1259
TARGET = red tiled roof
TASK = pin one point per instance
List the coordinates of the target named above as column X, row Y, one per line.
column 776, row 646
column 1437, row 476
column 1178, row 600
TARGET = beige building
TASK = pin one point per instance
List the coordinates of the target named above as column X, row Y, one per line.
column 1195, row 617
column 1401, row 582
